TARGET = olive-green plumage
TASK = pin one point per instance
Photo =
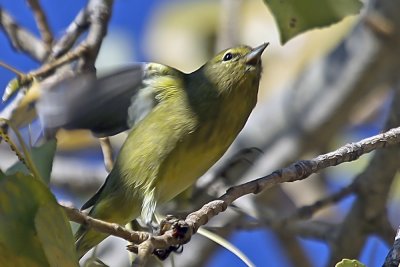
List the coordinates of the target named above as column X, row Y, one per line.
column 192, row 121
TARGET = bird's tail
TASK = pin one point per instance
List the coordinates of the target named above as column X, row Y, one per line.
column 113, row 209
column 86, row 239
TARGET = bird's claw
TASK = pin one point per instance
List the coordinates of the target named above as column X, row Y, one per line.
column 179, row 229
column 162, row 254
column 167, row 223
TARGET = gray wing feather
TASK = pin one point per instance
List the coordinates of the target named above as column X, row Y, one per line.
column 100, row 105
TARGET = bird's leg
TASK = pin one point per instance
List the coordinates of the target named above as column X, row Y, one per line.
column 107, row 150
column 167, row 224
column 179, row 228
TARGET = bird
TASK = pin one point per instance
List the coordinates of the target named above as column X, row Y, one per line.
column 179, row 125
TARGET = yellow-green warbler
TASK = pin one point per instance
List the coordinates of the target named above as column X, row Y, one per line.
column 181, row 124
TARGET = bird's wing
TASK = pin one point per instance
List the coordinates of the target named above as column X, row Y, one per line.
column 94, row 198
column 106, row 106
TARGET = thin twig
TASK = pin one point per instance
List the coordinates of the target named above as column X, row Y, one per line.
column 27, row 159
column 21, row 39
column 45, row 69
column 4, row 136
column 51, row 66
column 74, row 30
column 41, row 22
column 11, row 68
column 306, row 212
column 100, row 13
column 114, row 229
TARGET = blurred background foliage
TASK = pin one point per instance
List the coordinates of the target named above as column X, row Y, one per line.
column 184, row 34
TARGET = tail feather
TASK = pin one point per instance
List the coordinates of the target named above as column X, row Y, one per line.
column 86, row 240
column 110, row 207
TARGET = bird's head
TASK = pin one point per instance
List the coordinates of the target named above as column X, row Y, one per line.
column 235, row 68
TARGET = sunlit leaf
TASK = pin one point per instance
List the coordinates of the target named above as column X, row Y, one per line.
column 12, row 87
column 294, row 17
column 349, row 263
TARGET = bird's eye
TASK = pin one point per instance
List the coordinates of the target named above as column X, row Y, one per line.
column 228, row 56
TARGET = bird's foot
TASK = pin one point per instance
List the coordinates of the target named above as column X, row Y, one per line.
column 178, row 226
column 162, row 254
column 166, row 224
column 179, row 229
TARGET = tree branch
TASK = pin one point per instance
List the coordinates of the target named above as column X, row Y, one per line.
column 21, row 39
column 41, row 22
column 114, row 229
column 74, row 30
column 295, row 172
column 98, row 13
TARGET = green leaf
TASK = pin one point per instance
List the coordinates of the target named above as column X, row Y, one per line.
column 34, row 230
column 55, row 234
column 294, row 16
column 42, row 157
column 349, row 263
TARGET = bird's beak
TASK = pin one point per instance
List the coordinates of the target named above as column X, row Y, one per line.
column 254, row 56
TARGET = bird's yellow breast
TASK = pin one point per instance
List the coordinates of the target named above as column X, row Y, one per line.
column 198, row 150
column 175, row 144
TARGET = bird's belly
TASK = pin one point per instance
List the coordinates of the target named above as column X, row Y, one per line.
column 191, row 158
